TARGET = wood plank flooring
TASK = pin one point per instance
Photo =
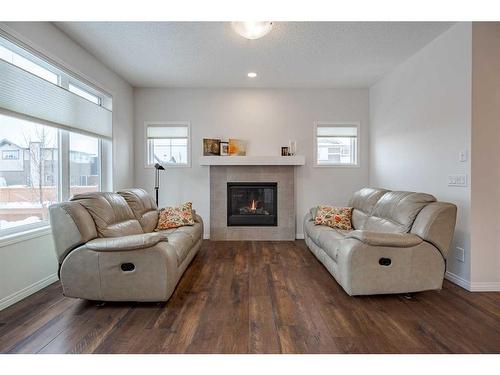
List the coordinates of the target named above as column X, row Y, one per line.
column 256, row 297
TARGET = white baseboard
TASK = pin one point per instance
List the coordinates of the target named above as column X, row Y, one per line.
column 25, row 292
column 480, row 286
column 460, row 281
column 299, row 236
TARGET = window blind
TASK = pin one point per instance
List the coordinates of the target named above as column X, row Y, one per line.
column 26, row 94
column 167, row 131
column 337, row 131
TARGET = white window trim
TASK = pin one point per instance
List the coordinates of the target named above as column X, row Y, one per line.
column 69, row 73
column 22, row 232
column 29, row 231
column 66, row 74
column 356, row 124
column 167, row 123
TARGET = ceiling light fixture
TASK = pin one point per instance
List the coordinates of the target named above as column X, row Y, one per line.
column 252, row 30
column 252, row 75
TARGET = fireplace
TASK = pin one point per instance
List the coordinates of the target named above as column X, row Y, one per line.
column 252, row 204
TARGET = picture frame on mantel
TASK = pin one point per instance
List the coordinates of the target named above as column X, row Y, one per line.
column 224, row 148
column 237, row 147
column 211, row 147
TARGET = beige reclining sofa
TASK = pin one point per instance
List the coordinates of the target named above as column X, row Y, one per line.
column 108, row 250
column 399, row 242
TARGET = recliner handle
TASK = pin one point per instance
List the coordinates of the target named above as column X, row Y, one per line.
column 386, row 262
column 127, row 267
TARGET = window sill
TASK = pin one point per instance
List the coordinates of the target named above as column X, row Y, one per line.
column 169, row 166
column 337, row 166
column 25, row 235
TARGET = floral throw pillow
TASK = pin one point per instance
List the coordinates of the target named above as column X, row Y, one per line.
column 174, row 217
column 335, row 217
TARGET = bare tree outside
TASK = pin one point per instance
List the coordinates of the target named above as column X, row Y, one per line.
column 39, row 143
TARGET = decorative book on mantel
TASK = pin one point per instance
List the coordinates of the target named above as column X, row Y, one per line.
column 216, row 147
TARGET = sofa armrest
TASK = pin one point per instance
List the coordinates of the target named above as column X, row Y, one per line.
column 197, row 218
column 385, row 239
column 126, row 243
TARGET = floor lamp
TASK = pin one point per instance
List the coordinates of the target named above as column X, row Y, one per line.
column 158, row 168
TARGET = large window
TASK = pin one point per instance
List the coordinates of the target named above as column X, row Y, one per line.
column 31, row 173
column 336, row 144
column 84, row 94
column 28, row 181
column 168, row 144
column 44, row 155
column 35, row 65
column 28, row 65
column 84, row 164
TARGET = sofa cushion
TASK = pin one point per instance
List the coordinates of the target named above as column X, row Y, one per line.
column 181, row 242
column 334, row 217
column 143, row 207
column 195, row 231
column 174, row 217
column 395, row 211
column 363, row 202
column 330, row 241
column 183, row 239
column 111, row 214
column 313, row 230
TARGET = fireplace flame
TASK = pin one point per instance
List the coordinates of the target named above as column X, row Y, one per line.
column 253, row 206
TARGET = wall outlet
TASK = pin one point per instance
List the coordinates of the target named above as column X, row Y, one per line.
column 462, row 156
column 460, row 254
column 457, row 180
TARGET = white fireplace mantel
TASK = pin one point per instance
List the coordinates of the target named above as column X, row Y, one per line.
column 253, row 160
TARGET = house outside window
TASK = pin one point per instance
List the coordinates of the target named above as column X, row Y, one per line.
column 30, row 183
column 57, row 152
column 336, row 144
column 168, row 143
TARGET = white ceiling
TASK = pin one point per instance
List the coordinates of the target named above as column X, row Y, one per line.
column 293, row 54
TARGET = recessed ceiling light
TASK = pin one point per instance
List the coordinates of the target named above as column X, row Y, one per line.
column 252, row 30
column 252, row 75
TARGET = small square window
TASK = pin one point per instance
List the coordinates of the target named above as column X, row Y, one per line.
column 168, row 144
column 336, row 144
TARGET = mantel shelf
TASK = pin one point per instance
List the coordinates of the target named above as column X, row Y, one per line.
column 253, row 160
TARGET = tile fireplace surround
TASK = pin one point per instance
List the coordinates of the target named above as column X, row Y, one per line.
column 283, row 175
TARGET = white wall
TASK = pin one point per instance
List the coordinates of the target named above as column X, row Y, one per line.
column 27, row 266
column 267, row 119
column 420, row 120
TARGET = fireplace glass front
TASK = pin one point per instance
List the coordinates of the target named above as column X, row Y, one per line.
column 252, row 204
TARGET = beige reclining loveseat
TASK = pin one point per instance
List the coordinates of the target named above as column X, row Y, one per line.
column 108, row 250
column 399, row 243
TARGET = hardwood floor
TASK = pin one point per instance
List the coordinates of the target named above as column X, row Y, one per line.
column 256, row 297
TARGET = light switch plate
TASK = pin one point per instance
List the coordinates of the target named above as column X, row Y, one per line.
column 460, row 254
column 457, row 180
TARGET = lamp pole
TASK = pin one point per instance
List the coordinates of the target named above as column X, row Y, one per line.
column 158, row 168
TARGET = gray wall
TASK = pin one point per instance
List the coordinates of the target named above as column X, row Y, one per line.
column 420, row 120
column 267, row 119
